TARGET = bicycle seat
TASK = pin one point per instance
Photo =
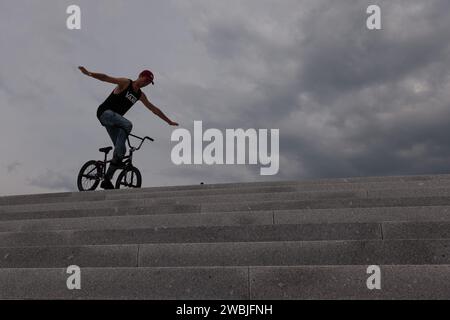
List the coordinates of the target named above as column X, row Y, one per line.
column 106, row 150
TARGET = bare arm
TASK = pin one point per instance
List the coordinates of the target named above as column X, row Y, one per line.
column 121, row 82
column 156, row 110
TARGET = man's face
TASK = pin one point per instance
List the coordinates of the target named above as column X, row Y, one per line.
column 144, row 81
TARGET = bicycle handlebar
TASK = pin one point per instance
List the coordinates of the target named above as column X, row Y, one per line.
column 146, row 137
column 142, row 140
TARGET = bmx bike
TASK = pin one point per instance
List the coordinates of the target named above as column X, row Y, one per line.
column 94, row 171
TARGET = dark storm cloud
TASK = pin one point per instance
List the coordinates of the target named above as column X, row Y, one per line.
column 351, row 57
column 347, row 101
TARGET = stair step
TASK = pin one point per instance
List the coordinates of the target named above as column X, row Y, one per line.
column 365, row 215
column 399, row 252
column 140, row 207
column 374, row 190
column 416, row 230
column 302, row 216
column 326, row 204
column 229, row 283
column 127, row 283
column 45, row 213
column 62, row 257
column 139, row 221
column 349, row 282
column 281, row 253
column 257, row 233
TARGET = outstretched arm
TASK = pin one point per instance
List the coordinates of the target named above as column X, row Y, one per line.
column 156, row 110
column 104, row 77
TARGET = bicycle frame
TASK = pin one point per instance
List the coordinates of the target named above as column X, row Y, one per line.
column 129, row 158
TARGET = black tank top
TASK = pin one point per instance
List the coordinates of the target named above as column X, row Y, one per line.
column 120, row 103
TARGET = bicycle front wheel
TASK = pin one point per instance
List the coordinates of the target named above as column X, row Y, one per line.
column 129, row 178
column 89, row 176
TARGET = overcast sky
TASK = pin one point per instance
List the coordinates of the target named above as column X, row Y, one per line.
column 347, row 101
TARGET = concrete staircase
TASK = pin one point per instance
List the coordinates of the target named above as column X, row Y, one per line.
column 278, row 240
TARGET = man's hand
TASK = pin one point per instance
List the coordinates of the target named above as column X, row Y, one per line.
column 173, row 123
column 84, row 71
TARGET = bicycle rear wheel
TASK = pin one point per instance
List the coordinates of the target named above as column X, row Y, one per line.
column 89, row 176
column 129, row 178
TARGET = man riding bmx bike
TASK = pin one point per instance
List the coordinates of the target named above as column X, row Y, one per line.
column 110, row 113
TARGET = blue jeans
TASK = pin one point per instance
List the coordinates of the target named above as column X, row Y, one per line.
column 118, row 129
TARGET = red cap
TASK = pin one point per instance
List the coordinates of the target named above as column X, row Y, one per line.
column 147, row 74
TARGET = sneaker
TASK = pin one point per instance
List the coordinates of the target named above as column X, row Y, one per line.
column 107, row 185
